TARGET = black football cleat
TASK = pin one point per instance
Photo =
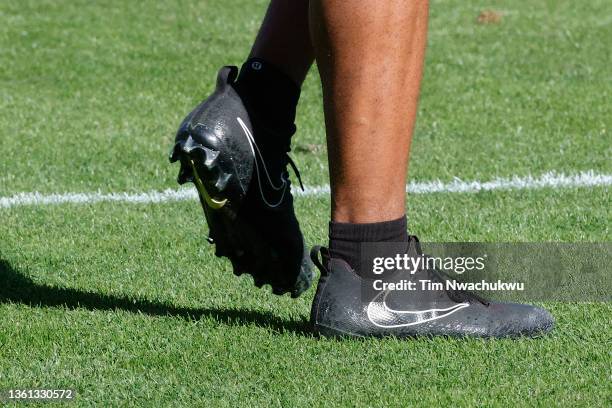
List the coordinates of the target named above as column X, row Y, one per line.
column 244, row 189
column 342, row 307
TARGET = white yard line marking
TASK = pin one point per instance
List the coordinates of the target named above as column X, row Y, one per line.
column 547, row 180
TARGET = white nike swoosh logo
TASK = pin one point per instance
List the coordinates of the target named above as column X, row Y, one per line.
column 383, row 316
column 258, row 157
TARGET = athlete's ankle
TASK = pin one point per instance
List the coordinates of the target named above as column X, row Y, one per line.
column 345, row 239
column 270, row 96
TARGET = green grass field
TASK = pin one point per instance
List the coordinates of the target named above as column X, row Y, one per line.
column 126, row 302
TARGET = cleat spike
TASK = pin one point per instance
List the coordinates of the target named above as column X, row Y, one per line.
column 211, row 157
column 193, row 151
column 189, row 144
column 222, row 181
column 185, row 174
column 174, row 153
column 207, row 157
column 210, row 240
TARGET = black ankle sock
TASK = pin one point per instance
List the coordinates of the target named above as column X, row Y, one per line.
column 345, row 239
column 269, row 94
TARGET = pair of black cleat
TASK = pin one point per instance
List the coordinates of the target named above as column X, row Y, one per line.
column 244, row 189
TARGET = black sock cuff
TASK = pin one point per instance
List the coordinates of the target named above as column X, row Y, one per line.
column 345, row 239
column 268, row 89
column 385, row 231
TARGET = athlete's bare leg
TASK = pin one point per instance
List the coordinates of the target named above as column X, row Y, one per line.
column 370, row 57
column 284, row 40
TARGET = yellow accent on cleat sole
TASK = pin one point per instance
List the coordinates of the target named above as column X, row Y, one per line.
column 211, row 202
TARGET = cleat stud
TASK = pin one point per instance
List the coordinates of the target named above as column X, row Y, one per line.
column 185, row 174
column 174, row 153
column 189, row 144
column 196, row 152
column 210, row 240
column 222, row 181
column 211, row 158
column 184, row 179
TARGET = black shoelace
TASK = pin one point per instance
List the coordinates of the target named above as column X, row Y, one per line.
column 283, row 148
column 295, row 170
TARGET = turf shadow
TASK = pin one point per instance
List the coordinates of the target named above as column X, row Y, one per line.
column 16, row 287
